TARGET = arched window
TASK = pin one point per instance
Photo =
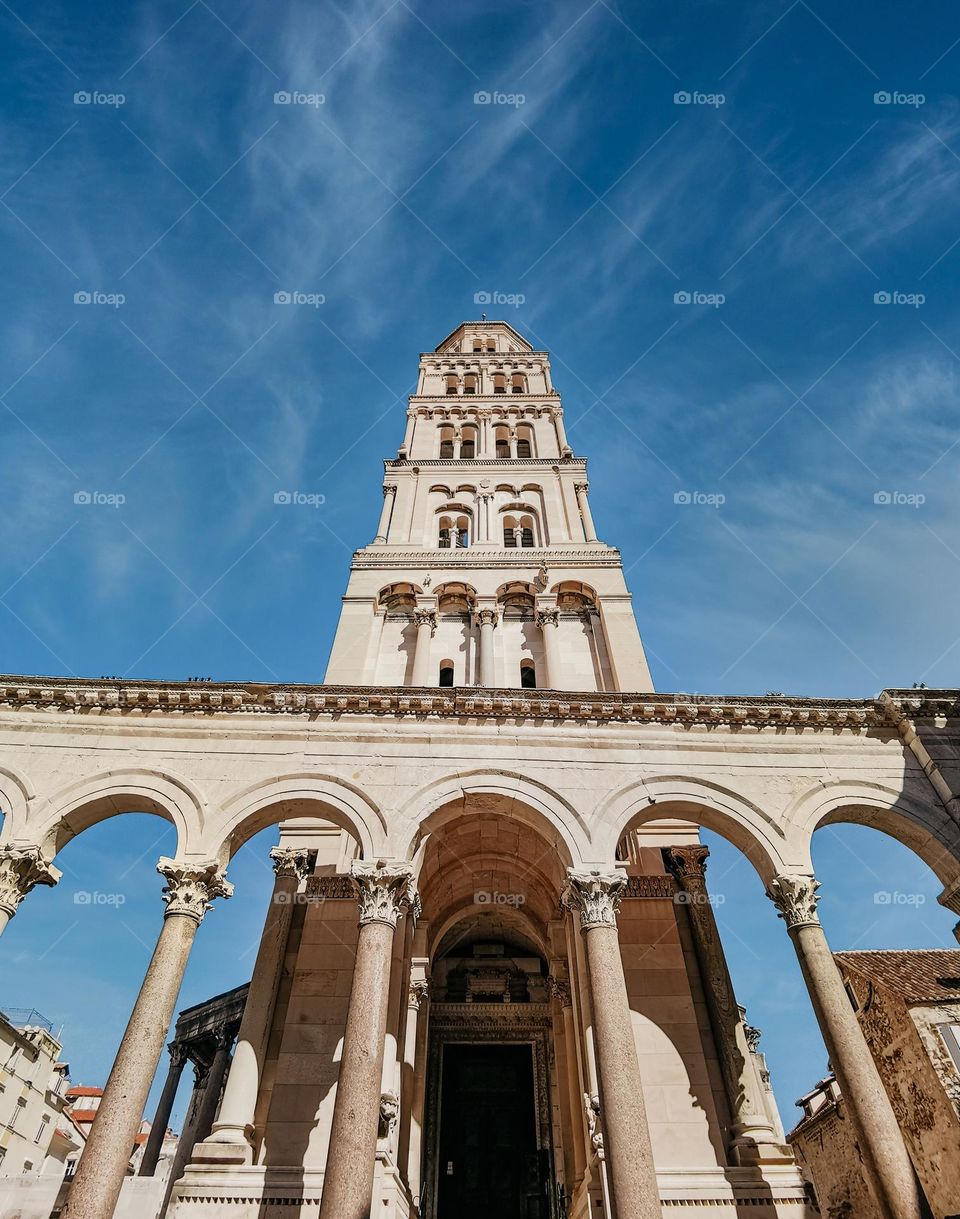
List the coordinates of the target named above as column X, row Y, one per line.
column 526, row 531
column 468, row 447
column 525, row 441
column 453, row 383
column 470, row 383
column 502, row 438
column 510, row 531
column 445, row 540
column 491, row 344
column 446, row 442
column 517, row 383
column 478, row 345
column 446, row 673
column 499, row 383
column 528, row 675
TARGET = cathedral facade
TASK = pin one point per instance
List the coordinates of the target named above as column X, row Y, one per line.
column 490, row 981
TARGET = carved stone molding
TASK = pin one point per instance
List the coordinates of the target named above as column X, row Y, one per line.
column 21, row 869
column 330, row 888
column 560, row 990
column 656, row 887
column 595, row 895
column 795, row 898
column 384, row 890
column 291, row 861
column 192, row 886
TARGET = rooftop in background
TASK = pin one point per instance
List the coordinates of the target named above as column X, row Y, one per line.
column 26, row 1017
column 918, row 975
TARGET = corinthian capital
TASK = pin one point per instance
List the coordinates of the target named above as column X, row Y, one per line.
column 548, row 617
column 291, row 861
column 384, row 890
column 688, row 864
column 21, row 868
column 426, row 617
column 595, row 895
column 192, row 885
column 389, row 489
column 795, row 898
column 486, row 617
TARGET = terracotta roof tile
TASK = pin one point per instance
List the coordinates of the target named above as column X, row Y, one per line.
column 77, row 1090
column 927, row 975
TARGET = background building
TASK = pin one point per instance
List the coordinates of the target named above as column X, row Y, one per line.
column 34, row 1136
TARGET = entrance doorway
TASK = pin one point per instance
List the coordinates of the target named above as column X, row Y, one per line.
column 488, row 1162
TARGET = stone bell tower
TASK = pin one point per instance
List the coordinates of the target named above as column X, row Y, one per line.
column 486, row 569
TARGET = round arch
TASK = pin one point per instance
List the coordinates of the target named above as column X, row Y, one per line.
column 520, row 917
column 269, row 802
column 16, row 792
column 710, row 805
column 111, row 793
column 537, row 805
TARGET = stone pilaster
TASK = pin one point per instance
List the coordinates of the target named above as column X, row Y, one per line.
column 21, row 869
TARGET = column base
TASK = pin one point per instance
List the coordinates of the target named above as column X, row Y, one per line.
column 748, row 1152
column 236, row 1150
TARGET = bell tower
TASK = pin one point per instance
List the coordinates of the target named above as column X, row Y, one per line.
column 486, row 569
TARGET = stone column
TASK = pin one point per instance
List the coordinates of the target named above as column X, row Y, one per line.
column 753, row 1137
column 161, row 1119
column 595, row 895
column 414, row 1061
column 231, row 1139
column 384, row 891
column 408, row 434
column 566, row 1049
column 562, row 441
column 389, row 498
column 206, row 1108
column 426, row 620
column 513, row 442
column 886, row 1163
column 487, row 620
column 21, row 869
column 548, row 621
column 190, row 888
column 589, row 531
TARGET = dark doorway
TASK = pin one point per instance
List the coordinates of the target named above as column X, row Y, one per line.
column 488, row 1159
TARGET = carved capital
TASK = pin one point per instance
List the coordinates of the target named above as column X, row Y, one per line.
column 595, row 895
column 178, row 1054
column 689, row 865
column 389, row 489
column 21, row 868
column 291, row 861
column 581, row 488
column 487, row 617
column 192, row 886
column 426, row 617
column 795, row 898
column 384, row 890
column 548, row 617
column 560, row 990
column 418, row 992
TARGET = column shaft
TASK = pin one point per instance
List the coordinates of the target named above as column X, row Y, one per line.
column 589, row 530
column 389, row 498
column 421, row 656
column 103, row 1165
column 487, row 620
column 161, row 1119
column 550, row 625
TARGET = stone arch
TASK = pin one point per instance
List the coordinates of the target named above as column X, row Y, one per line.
column 923, row 826
column 16, row 793
column 554, row 817
column 87, row 801
column 455, row 915
column 714, row 807
column 271, row 801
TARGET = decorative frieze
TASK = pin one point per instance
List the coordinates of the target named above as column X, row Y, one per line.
column 21, row 869
column 191, row 886
column 795, row 898
column 595, row 894
column 384, row 891
column 330, row 888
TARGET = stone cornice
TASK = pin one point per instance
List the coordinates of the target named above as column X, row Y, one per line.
column 74, row 696
column 473, row 463
column 479, row 557
column 922, row 704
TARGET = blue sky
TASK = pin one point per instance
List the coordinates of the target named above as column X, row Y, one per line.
column 800, row 400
